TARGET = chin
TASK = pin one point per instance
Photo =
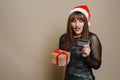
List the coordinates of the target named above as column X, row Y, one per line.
column 77, row 33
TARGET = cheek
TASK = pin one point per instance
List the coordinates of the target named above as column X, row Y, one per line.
column 72, row 25
column 82, row 24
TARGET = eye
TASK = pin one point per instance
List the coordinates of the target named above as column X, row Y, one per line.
column 73, row 20
column 81, row 20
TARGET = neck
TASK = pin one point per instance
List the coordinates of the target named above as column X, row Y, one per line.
column 77, row 36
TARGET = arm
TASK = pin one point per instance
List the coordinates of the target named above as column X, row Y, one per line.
column 94, row 59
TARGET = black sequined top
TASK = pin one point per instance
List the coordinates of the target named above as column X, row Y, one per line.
column 80, row 68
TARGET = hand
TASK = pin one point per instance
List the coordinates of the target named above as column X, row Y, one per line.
column 86, row 50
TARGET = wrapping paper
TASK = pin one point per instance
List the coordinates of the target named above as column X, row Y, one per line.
column 60, row 57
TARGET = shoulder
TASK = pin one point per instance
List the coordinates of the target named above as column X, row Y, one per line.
column 63, row 36
column 92, row 35
column 62, row 41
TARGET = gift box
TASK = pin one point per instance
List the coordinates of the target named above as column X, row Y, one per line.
column 60, row 57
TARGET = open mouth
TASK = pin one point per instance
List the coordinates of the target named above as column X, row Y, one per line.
column 77, row 28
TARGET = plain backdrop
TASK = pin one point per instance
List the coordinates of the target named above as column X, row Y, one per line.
column 30, row 30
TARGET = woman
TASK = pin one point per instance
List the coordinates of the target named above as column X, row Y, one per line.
column 85, row 56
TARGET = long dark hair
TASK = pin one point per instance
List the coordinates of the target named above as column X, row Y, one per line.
column 70, row 32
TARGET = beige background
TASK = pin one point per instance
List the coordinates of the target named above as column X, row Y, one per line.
column 30, row 30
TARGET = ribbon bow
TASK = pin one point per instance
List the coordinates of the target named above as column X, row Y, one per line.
column 61, row 52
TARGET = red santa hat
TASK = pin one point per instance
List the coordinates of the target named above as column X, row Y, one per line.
column 84, row 9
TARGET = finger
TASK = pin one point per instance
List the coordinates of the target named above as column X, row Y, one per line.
column 86, row 51
column 87, row 46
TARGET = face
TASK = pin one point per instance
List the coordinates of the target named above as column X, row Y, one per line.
column 77, row 26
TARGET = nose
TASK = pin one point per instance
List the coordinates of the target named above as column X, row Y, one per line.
column 77, row 23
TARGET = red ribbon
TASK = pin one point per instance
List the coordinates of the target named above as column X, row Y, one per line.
column 61, row 52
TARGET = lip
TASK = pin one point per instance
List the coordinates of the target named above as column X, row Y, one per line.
column 77, row 28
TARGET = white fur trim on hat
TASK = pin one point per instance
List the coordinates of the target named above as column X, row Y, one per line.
column 80, row 10
column 89, row 23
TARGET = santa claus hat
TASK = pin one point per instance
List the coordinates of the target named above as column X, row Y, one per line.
column 84, row 9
